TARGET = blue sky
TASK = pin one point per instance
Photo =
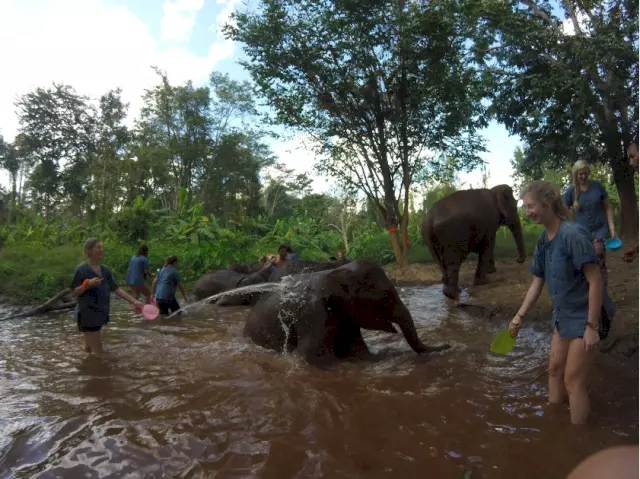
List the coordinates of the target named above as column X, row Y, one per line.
column 96, row 45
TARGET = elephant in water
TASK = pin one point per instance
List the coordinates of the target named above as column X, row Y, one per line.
column 246, row 268
column 303, row 266
column 225, row 280
column 319, row 315
column 467, row 221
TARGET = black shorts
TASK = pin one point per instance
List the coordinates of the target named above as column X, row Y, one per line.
column 166, row 305
column 88, row 329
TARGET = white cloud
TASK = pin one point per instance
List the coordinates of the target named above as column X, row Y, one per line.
column 75, row 42
column 179, row 18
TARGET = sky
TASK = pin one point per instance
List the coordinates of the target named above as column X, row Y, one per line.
column 98, row 45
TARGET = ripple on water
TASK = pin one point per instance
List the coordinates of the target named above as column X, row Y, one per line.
column 191, row 397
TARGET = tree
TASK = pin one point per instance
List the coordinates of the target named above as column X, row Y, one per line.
column 342, row 215
column 376, row 86
column 281, row 185
column 569, row 89
column 57, row 127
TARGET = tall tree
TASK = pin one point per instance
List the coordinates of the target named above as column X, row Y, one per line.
column 565, row 74
column 57, row 128
column 112, row 139
column 376, row 84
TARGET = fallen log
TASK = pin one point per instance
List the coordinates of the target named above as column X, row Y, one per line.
column 49, row 305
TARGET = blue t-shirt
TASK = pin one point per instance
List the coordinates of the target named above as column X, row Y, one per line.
column 168, row 279
column 135, row 273
column 92, row 308
column 591, row 213
column 559, row 262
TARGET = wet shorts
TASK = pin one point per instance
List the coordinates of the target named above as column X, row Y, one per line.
column 168, row 305
column 88, row 329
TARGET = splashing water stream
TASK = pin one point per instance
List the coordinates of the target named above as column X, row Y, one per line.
column 190, row 397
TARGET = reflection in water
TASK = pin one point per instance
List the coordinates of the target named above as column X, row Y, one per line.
column 191, row 398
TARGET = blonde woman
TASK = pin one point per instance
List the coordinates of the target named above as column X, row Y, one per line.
column 93, row 284
column 590, row 203
column 566, row 261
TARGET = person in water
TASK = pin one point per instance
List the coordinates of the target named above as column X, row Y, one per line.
column 566, row 260
column 165, row 285
column 591, row 206
column 138, row 272
column 632, row 153
column 93, row 284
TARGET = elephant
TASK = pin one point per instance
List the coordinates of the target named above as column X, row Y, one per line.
column 246, row 268
column 320, row 317
column 303, row 266
column 467, row 221
column 224, row 280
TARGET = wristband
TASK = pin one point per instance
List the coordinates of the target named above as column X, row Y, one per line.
column 592, row 326
column 84, row 285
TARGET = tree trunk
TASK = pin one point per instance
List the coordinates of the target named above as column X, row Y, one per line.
column 49, row 305
column 623, row 178
column 399, row 252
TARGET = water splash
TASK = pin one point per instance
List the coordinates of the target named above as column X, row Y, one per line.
column 268, row 287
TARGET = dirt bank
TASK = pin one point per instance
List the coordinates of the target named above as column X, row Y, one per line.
column 503, row 295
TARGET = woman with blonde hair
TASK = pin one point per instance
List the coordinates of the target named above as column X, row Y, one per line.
column 93, row 284
column 565, row 259
column 590, row 203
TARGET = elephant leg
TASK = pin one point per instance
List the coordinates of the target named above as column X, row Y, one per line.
column 349, row 343
column 437, row 257
column 484, row 256
column 451, row 288
column 491, row 249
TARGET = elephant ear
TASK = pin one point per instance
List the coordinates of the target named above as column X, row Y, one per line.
column 504, row 195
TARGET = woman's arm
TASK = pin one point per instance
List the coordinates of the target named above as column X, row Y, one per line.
column 609, row 211
column 533, row 293
column 124, row 295
column 184, row 295
column 592, row 275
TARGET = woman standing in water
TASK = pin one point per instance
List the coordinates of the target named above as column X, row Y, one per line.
column 566, row 260
column 93, row 284
column 137, row 273
column 592, row 208
column 165, row 285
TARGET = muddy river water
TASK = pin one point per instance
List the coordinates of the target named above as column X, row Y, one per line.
column 191, row 397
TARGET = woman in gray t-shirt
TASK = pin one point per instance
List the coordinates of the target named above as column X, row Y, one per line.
column 93, row 284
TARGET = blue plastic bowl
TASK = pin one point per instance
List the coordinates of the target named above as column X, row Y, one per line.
column 613, row 244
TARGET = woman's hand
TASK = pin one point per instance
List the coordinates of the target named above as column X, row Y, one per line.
column 138, row 304
column 94, row 283
column 613, row 233
column 591, row 338
column 515, row 325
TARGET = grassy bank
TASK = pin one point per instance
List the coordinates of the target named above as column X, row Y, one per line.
column 32, row 272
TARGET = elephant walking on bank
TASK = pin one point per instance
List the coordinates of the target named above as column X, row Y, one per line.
column 467, row 221
column 320, row 315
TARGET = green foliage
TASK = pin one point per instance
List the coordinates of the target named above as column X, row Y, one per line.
column 38, row 257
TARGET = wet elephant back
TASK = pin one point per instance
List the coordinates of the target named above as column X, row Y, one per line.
column 304, row 266
column 215, row 282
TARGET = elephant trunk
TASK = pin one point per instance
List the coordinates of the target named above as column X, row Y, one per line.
column 405, row 321
column 516, row 231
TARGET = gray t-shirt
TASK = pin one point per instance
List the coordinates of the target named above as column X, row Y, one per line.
column 93, row 304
